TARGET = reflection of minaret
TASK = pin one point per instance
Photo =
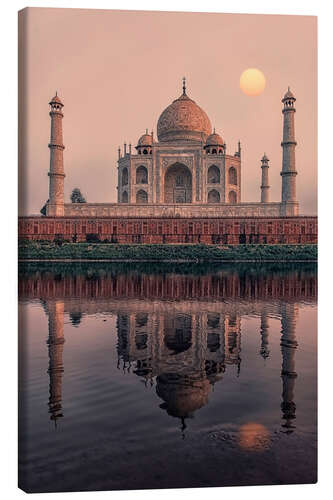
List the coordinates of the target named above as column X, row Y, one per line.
column 232, row 325
column 288, row 373
column 55, row 342
column 264, row 351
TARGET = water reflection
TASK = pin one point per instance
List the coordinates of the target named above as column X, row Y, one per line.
column 55, row 342
column 178, row 332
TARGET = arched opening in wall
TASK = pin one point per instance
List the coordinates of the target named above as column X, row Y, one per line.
column 178, row 332
column 213, row 196
column 232, row 176
column 232, row 197
column 141, row 196
column 213, row 175
column 141, row 175
column 124, row 197
column 124, row 177
column 178, row 184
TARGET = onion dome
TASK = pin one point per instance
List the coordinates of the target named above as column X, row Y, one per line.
column 56, row 100
column 288, row 95
column 183, row 120
column 182, row 394
column 145, row 140
column 214, row 139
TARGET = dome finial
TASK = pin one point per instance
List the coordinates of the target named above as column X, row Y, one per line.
column 184, row 85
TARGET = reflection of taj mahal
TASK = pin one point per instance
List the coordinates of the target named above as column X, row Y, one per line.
column 184, row 352
column 187, row 353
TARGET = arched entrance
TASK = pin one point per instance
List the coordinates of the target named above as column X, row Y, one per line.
column 232, row 197
column 213, row 196
column 213, row 176
column 178, row 333
column 141, row 196
column 178, row 184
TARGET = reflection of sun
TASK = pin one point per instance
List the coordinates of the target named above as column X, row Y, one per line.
column 253, row 436
column 252, row 81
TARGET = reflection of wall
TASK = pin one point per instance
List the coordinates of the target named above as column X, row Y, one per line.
column 224, row 284
column 55, row 343
column 186, row 350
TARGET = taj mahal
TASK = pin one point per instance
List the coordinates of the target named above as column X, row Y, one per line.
column 183, row 186
column 188, row 165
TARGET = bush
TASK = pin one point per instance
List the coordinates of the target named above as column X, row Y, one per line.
column 92, row 238
column 59, row 239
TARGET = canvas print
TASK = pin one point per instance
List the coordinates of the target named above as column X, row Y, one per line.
column 167, row 250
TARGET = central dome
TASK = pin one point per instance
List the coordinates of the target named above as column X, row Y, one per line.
column 183, row 120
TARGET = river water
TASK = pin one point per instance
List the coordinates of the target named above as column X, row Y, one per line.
column 164, row 376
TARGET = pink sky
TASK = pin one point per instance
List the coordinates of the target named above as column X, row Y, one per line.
column 117, row 70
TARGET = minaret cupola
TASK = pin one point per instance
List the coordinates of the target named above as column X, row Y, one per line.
column 145, row 143
column 214, row 144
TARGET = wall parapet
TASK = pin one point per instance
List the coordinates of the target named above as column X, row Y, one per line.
column 205, row 229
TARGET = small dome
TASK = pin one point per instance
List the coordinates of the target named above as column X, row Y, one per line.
column 214, row 140
column 289, row 95
column 145, row 140
column 56, row 100
column 264, row 158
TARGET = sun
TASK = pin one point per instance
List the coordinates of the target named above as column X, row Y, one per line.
column 252, row 81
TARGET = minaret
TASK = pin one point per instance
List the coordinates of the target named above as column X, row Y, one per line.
column 264, row 180
column 288, row 144
column 55, row 343
column 264, row 330
column 55, row 205
column 288, row 373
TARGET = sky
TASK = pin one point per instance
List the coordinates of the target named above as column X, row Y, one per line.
column 116, row 71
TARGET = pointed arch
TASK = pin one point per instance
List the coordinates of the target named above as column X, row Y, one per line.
column 124, row 177
column 124, row 197
column 141, row 175
column 213, row 175
column 232, row 176
column 232, row 197
column 213, row 196
column 178, row 184
column 141, row 196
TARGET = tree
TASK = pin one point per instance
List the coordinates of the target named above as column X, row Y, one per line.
column 77, row 196
column 43, row 209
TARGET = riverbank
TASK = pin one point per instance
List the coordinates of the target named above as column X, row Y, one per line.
column 105, row 252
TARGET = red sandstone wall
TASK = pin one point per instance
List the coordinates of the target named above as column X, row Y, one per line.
column 236, row 230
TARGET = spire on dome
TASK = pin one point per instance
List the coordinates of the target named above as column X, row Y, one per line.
column 184, row 85
column 288, row 95
column 56, row 100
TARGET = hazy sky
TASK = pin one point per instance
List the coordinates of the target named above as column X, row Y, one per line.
column 116, row 71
